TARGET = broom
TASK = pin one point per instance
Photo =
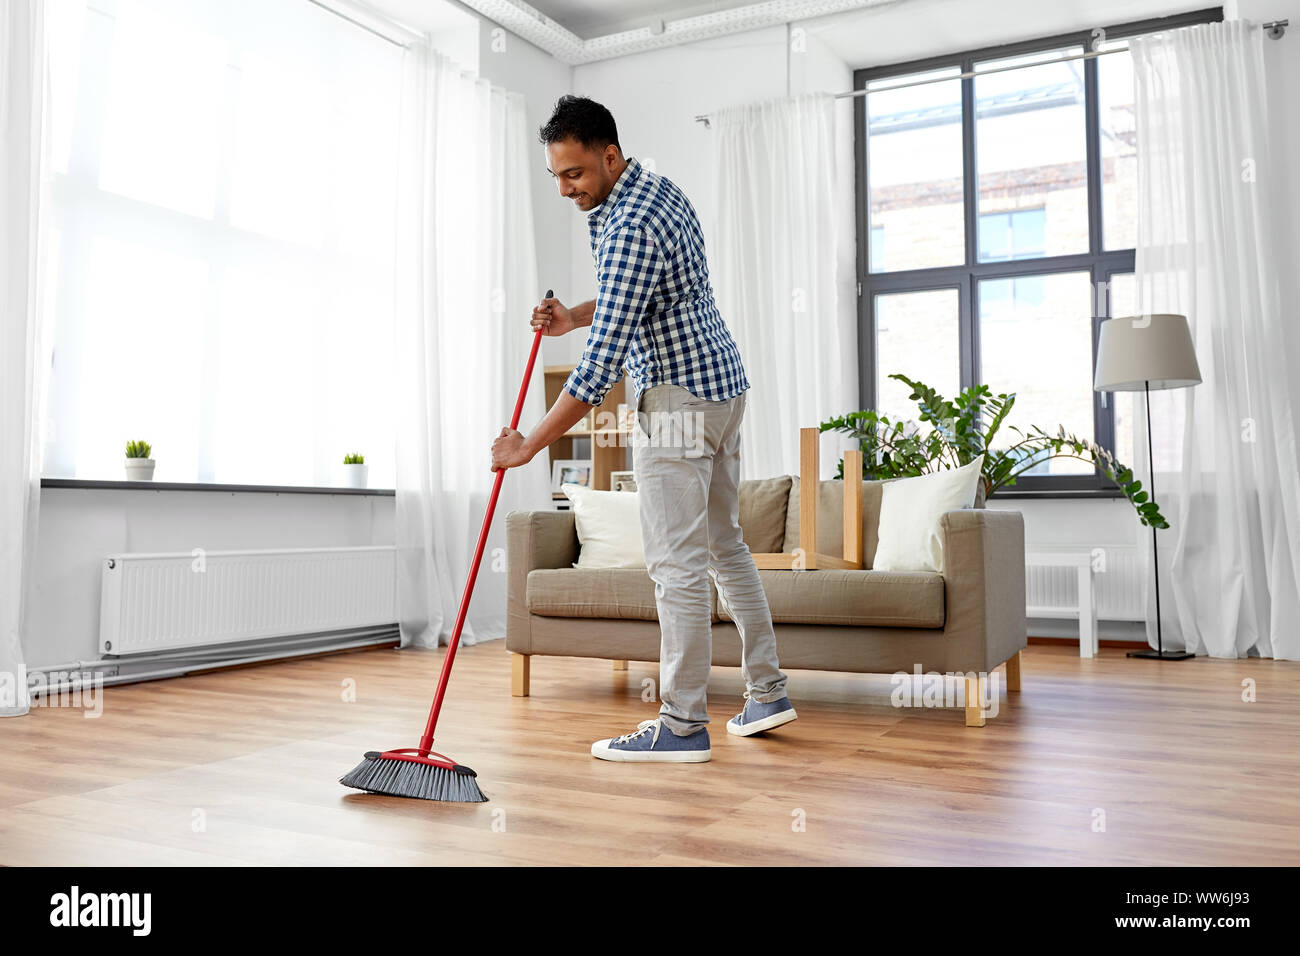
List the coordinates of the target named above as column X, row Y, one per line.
column 418, row 771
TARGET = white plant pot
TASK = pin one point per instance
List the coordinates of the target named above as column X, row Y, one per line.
column 139, row 469
column 355, row 476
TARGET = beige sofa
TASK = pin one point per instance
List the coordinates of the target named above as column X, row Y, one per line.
column 966, row 621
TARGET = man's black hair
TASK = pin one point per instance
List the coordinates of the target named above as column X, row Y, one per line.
column 577, row 117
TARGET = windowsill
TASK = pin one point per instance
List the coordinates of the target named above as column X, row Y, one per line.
column 210, row 486
column 1064, row 493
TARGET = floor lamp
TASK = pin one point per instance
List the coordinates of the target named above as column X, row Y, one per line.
column 1142, row 353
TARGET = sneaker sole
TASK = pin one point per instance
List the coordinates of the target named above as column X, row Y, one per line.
column 762, row 724
column 650, row 756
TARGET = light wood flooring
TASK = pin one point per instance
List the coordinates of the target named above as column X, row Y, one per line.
column 241, row 767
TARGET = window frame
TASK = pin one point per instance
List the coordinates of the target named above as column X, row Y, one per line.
column 965, row 277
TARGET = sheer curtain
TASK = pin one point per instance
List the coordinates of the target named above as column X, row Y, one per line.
column 466, row 281
column 22, row 189
column 774, row 268
column 1213, row 244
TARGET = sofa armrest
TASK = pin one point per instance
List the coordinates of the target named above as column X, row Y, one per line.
column 534, row 539
column 984, row 587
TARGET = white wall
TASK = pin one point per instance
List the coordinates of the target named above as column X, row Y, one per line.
column 517, row 65
column 80, row 526
column 655, row 96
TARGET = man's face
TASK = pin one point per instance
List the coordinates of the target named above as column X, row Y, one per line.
column 584, row 175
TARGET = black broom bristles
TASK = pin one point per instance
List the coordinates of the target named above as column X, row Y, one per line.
column 408, row 778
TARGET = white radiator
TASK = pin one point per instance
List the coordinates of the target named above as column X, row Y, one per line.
column 1117, row 590
column 156, row 602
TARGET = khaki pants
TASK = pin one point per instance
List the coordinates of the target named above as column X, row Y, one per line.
column 686, row 455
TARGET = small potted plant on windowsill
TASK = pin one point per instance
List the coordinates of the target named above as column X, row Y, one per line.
column 139, row 466
column 355, row 471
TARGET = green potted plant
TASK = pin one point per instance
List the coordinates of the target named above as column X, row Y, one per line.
column 964, row 429
column 139, row 466
column 355, row 471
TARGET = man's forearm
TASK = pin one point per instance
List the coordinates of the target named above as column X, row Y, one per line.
column 564, row 414
column 567, row 410
column 583, row 314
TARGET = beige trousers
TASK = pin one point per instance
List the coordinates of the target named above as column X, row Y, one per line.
column 686, row 456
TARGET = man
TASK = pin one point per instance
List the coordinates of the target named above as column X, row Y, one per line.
column 654, row 312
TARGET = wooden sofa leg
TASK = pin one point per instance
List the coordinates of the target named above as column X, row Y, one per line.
column 519, row 674
column 620, row 665
column 974, row 695
column 1013, row 672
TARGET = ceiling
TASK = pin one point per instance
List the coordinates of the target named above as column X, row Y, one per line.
column 859, row 32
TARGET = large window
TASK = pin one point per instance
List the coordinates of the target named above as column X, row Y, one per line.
column 221, row 245
column 998, row 230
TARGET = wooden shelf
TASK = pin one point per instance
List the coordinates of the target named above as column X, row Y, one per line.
column 604, row 458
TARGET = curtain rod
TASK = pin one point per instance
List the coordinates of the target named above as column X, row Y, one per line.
column 1275, row 29
column 369, row 29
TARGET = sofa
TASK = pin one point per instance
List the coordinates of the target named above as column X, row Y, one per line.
column 966, row 621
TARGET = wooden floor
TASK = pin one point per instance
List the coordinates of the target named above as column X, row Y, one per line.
column 241, row 767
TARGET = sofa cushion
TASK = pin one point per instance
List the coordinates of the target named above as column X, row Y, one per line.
column 910, row 509
column 618, row 593
column 608, row 524
column 855, row 598
column 763, row 504
column 830, row 517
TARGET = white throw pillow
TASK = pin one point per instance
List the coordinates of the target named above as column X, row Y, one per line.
column 910, row 509
column 609, row 527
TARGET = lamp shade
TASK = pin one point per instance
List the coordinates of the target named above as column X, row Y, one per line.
column 1145, row 351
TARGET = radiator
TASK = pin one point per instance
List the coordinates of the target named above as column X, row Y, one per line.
column 1117, row 590
column 156, row 602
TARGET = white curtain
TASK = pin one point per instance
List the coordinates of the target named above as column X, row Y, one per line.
column 23, row 190
column 466, row 282
column 774, row 268
column 1213, row 244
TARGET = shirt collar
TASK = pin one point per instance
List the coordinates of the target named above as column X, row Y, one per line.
column 629, row 175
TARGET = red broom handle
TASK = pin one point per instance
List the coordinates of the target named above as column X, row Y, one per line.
column 427, row 740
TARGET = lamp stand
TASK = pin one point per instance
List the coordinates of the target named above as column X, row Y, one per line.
column 1159, row 654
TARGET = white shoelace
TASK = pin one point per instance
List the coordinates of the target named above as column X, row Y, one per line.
column 641, row 728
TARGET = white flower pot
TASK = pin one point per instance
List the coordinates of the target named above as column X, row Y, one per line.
column 355, row 476
column 139, row 469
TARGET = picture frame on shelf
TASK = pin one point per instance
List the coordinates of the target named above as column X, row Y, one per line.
column 570, row 471
column 617, row 477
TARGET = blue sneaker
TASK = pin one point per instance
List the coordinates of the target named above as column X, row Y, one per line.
column 756, row 717
column 653, row 741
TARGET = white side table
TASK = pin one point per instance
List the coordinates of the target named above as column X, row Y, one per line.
column 1087, row 609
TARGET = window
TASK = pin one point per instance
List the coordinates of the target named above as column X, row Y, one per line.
column 877, row 248
column 1018, row 234
column 221, row 245
column 1006, row 182
column 914, row 146
column 917, row 331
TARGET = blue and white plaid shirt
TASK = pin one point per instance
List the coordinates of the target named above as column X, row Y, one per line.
column 655, row 312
